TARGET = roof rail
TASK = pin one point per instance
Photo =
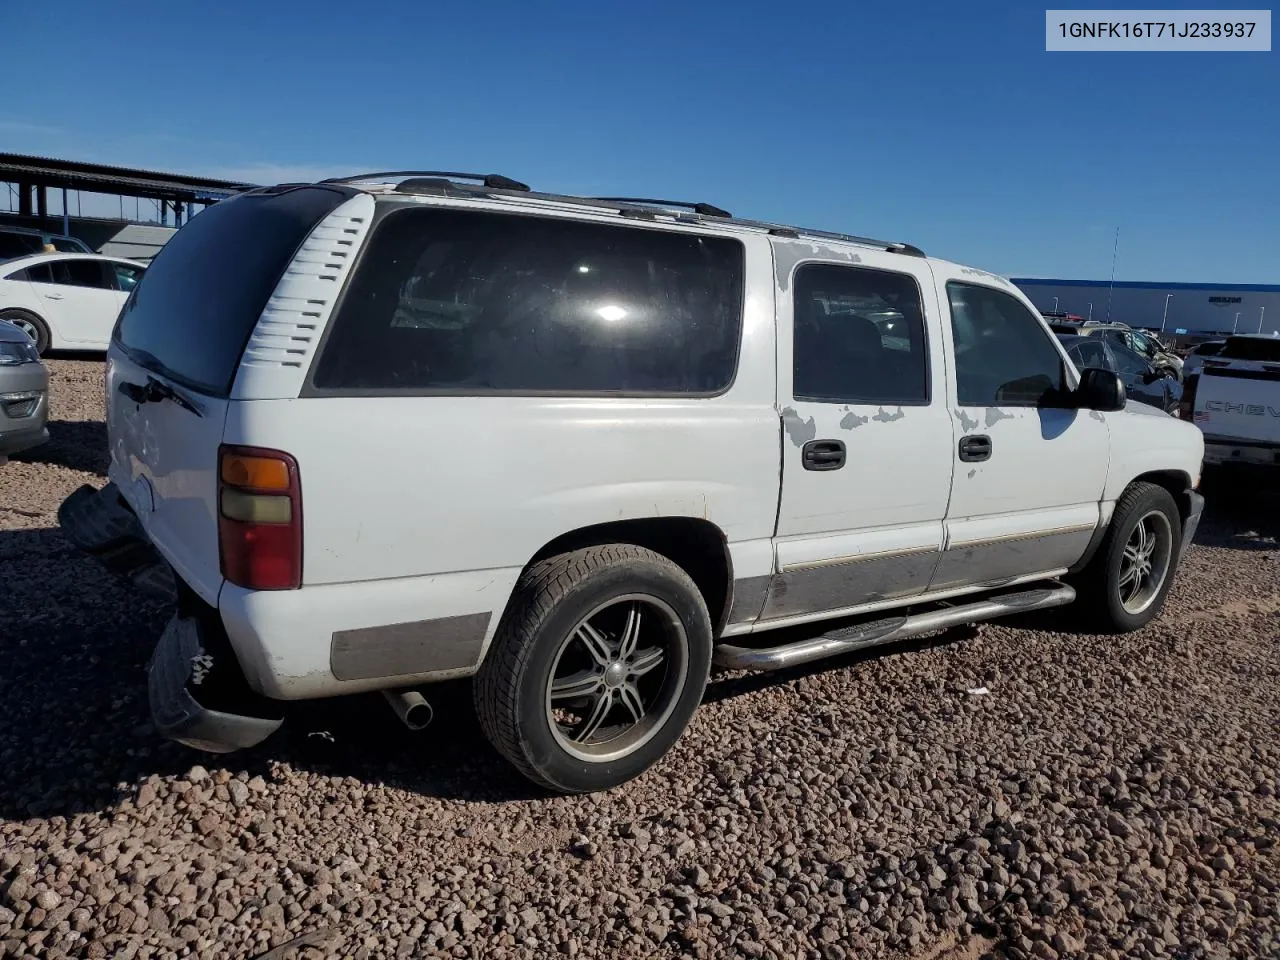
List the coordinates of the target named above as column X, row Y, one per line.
column 706, row 209
column 494, row 181
column 782, row 230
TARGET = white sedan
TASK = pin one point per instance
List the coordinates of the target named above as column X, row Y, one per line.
column 66, row 301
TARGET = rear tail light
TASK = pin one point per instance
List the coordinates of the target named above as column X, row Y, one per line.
column 1187, row 403
column 259, row 518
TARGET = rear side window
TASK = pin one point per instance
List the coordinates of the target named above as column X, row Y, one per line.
column 468, row 302
column 1252, row 348
column 82, row 273
column 18, row 245
column 192, row 312
column 858, row 336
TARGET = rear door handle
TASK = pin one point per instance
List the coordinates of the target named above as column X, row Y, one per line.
column 975, row 448
column 53, row 296
column 822, row 455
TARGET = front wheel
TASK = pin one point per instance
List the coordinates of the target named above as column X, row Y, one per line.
column 1125, row 585
column 596, row 668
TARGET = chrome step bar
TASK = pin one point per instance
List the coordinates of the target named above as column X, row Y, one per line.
column 888, row 630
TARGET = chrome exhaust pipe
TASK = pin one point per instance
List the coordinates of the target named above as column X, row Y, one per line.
column 411, row 707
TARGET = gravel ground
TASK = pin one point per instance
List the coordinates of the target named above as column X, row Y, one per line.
column 1104, row 797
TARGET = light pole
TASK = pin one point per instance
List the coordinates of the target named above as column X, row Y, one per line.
column 1091, row 311
column 1261, row 312
column 1055, row 304
column 1167, row 298
column 1236, row 323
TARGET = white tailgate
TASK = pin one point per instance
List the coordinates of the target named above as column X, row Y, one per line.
column 164, row 460
column 1239, row 400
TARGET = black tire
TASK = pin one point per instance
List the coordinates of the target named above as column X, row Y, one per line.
column 554, row 597
column 32, row 323
column 1100, row 602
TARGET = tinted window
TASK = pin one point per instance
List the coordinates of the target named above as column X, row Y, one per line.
column 1089, row 354
column 1004, row 356
column 198, row 302
column 82, row 273
column 40, row 273
column 1129, row 363
column 858, row 336
column 1141, row 344
column 1252, row 348
column 18, row 245
column 463, row 301
column 126, row 277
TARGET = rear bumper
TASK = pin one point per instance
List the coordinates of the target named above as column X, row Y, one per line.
column 1220, row 450
column 198, row 693
column 188, row 661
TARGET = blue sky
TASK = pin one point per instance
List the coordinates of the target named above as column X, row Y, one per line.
column 945, row 125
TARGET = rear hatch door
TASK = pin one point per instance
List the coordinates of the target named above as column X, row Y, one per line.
column 173, row 361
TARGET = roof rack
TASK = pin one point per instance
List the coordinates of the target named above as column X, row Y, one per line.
column 780, row 230
column 706, row 209
column 494, row 181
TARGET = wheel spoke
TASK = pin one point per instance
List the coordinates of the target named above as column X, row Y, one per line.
column 580, row 684
column 630, row 698
column 645, row 661
column 600, row 649
column 1135, row 587
column 1130, row 573
column 599, row 710
column 630, row 633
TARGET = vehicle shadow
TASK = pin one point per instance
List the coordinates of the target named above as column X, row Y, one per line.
column 75, row 734
column 75, row 444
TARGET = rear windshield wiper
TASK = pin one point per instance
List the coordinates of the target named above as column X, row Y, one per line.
column 154, row 391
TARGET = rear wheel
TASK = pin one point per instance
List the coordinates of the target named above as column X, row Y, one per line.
column 598, row 664
column 1125, row 585
column 31, row 325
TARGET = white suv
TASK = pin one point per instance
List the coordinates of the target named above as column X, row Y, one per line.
column 402, row 428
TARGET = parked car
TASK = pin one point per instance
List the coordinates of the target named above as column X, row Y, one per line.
column 22, row 242
column 66, row 301
column 1143, row 344
column 384, row 431
column 1195, row 357
column 1235, row 399
column 24, row 393
column 1143, row 381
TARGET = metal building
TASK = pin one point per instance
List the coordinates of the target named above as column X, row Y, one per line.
column 1175, row 308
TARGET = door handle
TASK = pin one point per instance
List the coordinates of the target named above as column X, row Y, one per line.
column 975, row 448
column 822, row 455
column 53, row 296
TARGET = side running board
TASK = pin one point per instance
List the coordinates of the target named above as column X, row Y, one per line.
column 888, row 630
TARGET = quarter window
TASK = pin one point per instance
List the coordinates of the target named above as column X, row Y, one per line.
column 126, row 277
column 467, row 302
column 1004, row 356
column 858, row 336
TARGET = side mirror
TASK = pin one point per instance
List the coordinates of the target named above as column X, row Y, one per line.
column 1100, row 390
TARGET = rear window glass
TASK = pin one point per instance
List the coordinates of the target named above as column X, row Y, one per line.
column 1252, row 348
column 191, row 314
column 471, row 302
